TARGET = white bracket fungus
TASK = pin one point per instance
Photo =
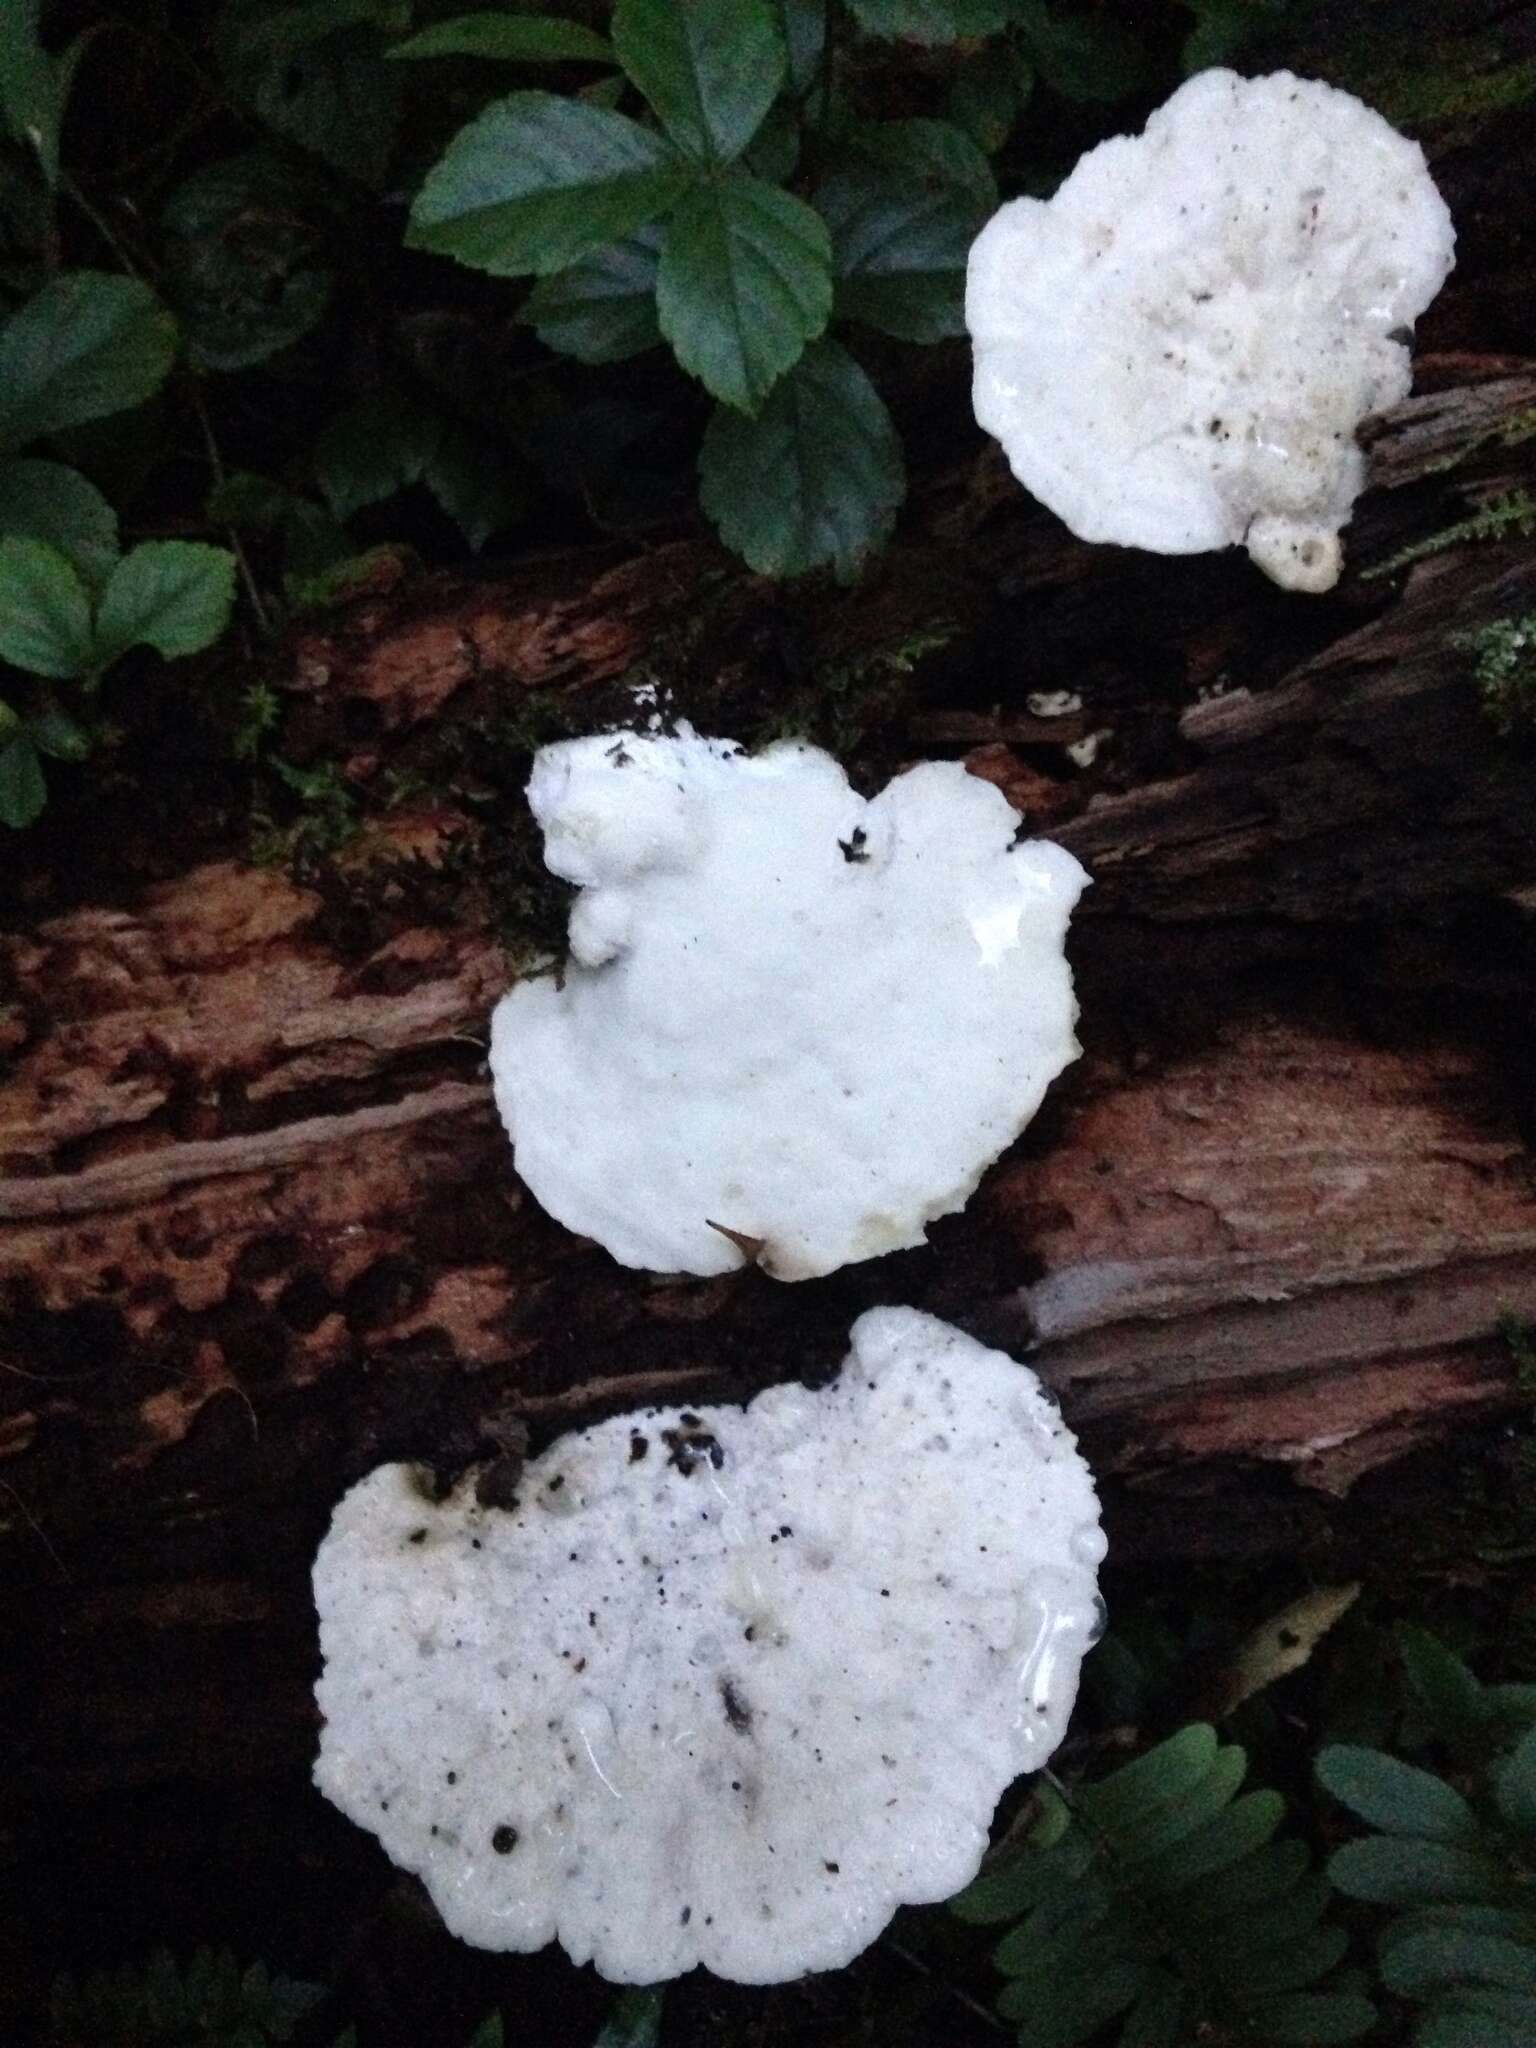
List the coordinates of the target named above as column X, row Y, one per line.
column 1176, row 350
column 796, row 1025
column 728, row 1686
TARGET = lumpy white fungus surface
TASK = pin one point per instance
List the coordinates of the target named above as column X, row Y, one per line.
column 1177, row 348
column 728, row 1685
column 796, row 1024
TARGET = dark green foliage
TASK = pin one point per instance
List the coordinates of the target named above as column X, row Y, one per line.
column 210, row 2003
column 1158, row 1898
column 1456, row 1862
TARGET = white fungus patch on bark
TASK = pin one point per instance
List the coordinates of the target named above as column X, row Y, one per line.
column 796, row 1025
column 1176, row 350
column 728, row 1686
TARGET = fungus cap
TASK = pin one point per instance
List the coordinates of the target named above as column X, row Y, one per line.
column 1176, row 350
column 796, row 1024
column 729, row 1685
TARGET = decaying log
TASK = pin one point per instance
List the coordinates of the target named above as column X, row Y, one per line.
column 258, row 1224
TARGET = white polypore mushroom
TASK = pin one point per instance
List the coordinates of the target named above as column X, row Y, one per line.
column 796, row 1024
column 728, row 1686
column 1176, row 350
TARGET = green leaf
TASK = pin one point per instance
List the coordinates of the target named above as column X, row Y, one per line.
column 173, row 595
column 1425, row 1959
column 901, row 237
column 1484, row 2019
column 245, row 256
column 1022, row 1882
column 634, row 2020
column 1514, row 1787
column 1172, row 1824
column 87, row 345
column 937, row 154
column 489, row 2034
column 45, row 610
column 1170, row 1773
column 1245, row 1826
column 603, row 308
column 1252, row 1886
column 537, row 182
column 34, row 86
column 1397, row 1797
column 23, row 792
column 1157, row 2018
column 511, row 38
column 815, row 479
column 315, row 74
column 1390, row 1870
column 1083, row 57
column 472, row 483
column 48, row 501
column 744, row 282
column 1314, row 2019
column 710, row 68
column 987, row 98
column 1289, row 1966
column 931, row 21
column 375, row 448
column 1449, row 1694
column 52, row 731
column 804, row 27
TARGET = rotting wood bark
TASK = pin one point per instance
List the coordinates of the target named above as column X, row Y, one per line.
column 259, row 1228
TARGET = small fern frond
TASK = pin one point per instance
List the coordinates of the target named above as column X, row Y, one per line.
column 1510, row 516
column 1159, row 1897
column 212, row 2003
column 1459, row 1866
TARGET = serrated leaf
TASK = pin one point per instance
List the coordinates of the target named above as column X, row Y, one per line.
column 899, row 249
column 1314, row 2019
column 49, row 501
column 1169, row 1773
column 1391, row 1870
column 603, row 309
column 175, row 596
column 634, row 2020
column 745, row 281
column 1080, row 56
column 1005, row 1893
column 1514, row 1786
column 316, row 75
column 710, row 68
column 930, row 21
column 936, row 154
column 815, row 479
column 536, row 182
column 373, row 449
column 1430, row 1958
column 245, row 258
column 1397, row 1797
column 85, row 346
column 45, row 610
column 508, row 38
column 473, row 485
column 23, row 791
